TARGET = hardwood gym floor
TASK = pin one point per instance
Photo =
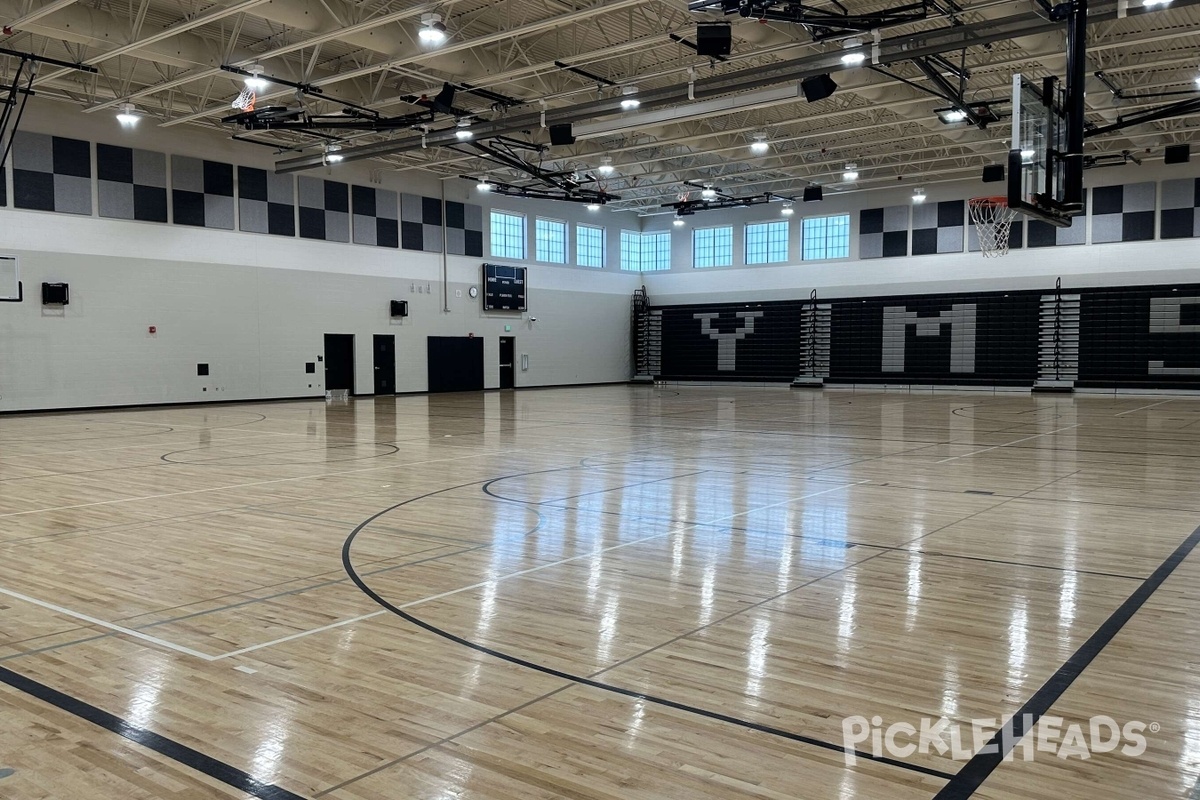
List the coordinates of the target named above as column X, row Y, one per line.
column 618, row 592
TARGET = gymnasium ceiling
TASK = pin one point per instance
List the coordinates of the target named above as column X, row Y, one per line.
column 165, row 56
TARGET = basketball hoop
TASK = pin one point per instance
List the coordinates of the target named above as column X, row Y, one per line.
column 245, row 100
column 993, row 219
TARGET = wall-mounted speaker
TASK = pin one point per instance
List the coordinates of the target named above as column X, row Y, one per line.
column 713, row 40
column 1177, row 154
column 55, row 294
column 561, row 134
column 813, row 194
column 993, row 173
column 399, row 308
column 818, row 87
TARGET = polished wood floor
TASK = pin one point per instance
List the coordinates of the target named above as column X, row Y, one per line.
column 616, row 592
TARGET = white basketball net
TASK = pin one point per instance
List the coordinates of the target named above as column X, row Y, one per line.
column 245, row 100
column 993, row 219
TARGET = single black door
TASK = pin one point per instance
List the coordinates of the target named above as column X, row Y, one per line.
column 455, row 364
column 339, row 361
column 506, row 362
column 385, row 364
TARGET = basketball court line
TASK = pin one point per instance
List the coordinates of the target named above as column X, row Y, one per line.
column 973, row 774
column 1143, row 408
column 180, row 753
column 444, row 740
column 740, row 513
column 315, row 476
column 1009, row 444
column 591, row 682
column 302, row 634
column 187, row 651
column 508, row 576
column 341, row 623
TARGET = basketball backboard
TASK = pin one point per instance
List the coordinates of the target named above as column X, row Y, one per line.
column 1037, row 175
column 10, row 280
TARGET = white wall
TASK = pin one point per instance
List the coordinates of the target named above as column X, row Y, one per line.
column 1169, row 261
column 256, row 307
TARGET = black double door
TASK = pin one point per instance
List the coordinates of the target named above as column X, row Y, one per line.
column 455, row 364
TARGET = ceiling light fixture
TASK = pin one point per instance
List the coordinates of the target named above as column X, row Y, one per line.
column 464, row 130
column 254, row 81
column 127, row 115
column 1156, row 3
column 918, row 195
column 787, row 209
column 851, row 173
column 677, row 222
column 759, row 146
column 708, row 192
column 484, row 185
column 433, row 30
column 955, row 115
column 593, row 206
column 332, row 156
column 1027, row 155
column 853, row 55
column 629, row 99
column 606, row 166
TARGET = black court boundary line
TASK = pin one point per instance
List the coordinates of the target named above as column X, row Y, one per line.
column 976, row 771
column 180, row 753
column 580, row 679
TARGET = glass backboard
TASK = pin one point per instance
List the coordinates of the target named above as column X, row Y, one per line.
column 1037, row 158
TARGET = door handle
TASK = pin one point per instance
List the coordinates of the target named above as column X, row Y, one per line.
column 506, row 365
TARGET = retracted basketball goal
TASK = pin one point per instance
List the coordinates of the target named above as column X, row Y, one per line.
column 993, row 220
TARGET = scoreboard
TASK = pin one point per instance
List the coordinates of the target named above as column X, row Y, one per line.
column 503, row 288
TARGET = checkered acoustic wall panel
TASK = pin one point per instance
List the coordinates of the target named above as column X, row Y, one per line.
column 202, row 193
column 324, row 209
column 420, row 223
column 132, row 183
column 52, row 173
column 464, row 229
column 1180, row 215
column 266, row 202
column 883, row 232
column 376, row 216
column 938, row 227
column 1123, row 213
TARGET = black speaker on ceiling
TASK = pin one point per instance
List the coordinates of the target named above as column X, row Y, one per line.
column 813, row 194
column 55, row 294
column 561, row 134
column 399, row 308
column 818, row 87
column 993, row 173
column 713, row 40
column 1177, row 154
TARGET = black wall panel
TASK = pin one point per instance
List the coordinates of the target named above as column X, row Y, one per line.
column 1134, row 337
column 732, row 341
column 1140, row 337
column 986, row 339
